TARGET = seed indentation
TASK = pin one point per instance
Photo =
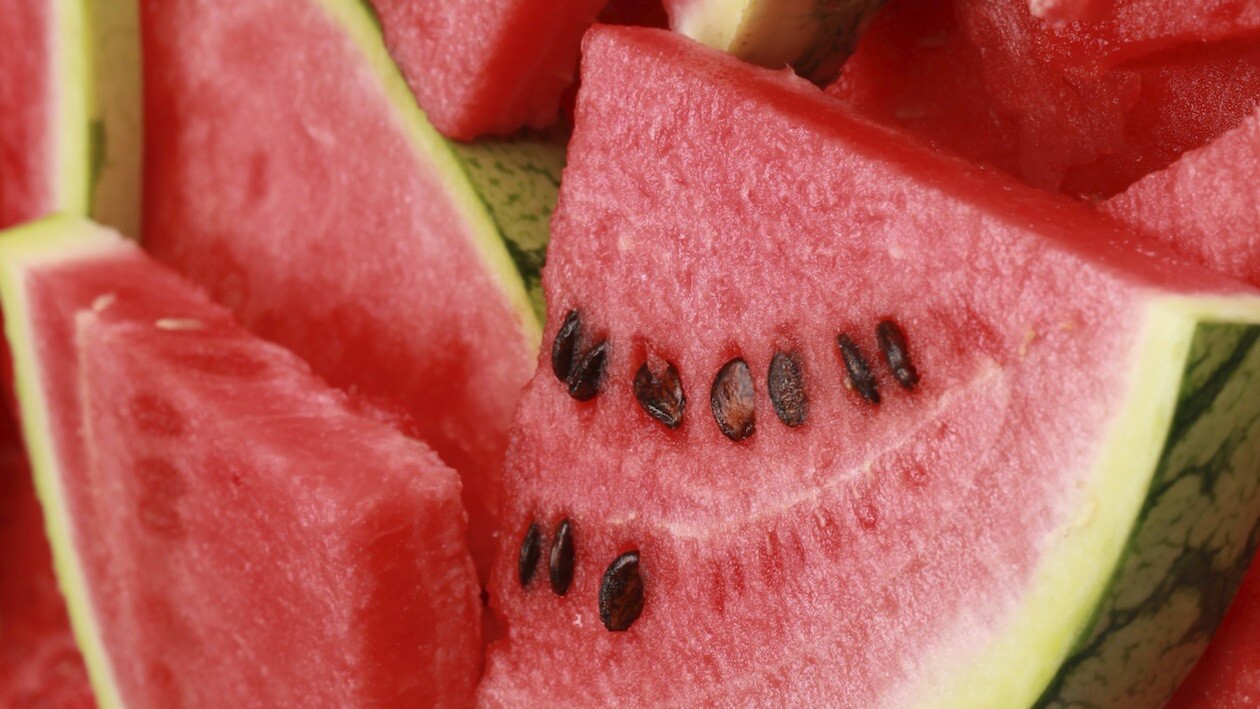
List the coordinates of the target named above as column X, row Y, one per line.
column 732, row 399
column 531, row 549
column 565, row 344
column 587, row 373
column 621, row 593
column 661, row 396
column 892, row 341
column 786, row 383
column 859, row 371
column 560, row 568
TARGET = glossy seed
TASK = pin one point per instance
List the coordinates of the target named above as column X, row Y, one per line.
column 621, row 593
column 786, row 383
column 588, row 373
column 859, row 371
column 732, row 399
column 531, row 549
column 560, row 568
column 892, row 341
column 565, row 344
column 662, row 397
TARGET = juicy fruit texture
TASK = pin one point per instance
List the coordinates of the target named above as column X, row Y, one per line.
column 1132, row 28
column 811, row 36
column 290, row 172
column 994, row 530
column 1047, row 104
column 39, row 664
column 1228, row 674
column 487, row 67
column 1203, row 206
column 227, row 530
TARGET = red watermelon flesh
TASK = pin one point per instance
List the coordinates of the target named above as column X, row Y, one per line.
column 1047, row 107
column 487, row 67
column 863, row 558
column 39, row 663
column 229, row 531
column 1204, row 205
column 26, row 111
column 1131, row 28
column 1228, row 674
column 282, row 176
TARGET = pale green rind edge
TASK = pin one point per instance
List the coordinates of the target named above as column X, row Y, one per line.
column 362, row 27
column 1087, row 560
column 115, row 135
column 56, row 239
column 71, row 171
column 812, row 36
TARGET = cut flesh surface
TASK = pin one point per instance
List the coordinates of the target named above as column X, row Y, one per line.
column 1073, row 476
column 487, row 67
column 226, row 530
column 291, row 173
column 39, row 663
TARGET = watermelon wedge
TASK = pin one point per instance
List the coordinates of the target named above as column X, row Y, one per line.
column 800, row 458
column 811, row 36
column 70, row 110
column 1228, row 674
column 291, row 173
column 226, row 530
column 987, row 80
column 39, row 664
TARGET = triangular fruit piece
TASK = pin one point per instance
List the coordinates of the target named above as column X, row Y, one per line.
column 70, row 111
column 39, row 663
column 226, row 530
column 291, row 173
column 857, row 423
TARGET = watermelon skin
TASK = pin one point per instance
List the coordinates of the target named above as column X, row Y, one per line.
column 332, row 219
column 487, row 67
column 213, row 505
column 1228, row 674
column 1046, row 105
column 39, row 663
column 876, row 556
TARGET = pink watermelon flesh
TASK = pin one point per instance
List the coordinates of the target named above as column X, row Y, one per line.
column 39, row 663
column 487, row 67
column 1132, row 28
column 277, row 177
column 26, row 111
column 985, row 79
column 1228, row 674
column 1204, row 205
column 245, row 537
column 743, row 213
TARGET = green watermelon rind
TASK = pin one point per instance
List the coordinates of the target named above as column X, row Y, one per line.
column 70, row 92
column 115, row 136
column 1057, row 634
column 362, row 27
column 59, row 239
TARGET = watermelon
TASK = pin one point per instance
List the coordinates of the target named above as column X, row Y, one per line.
column 1228, row 674
column 290, row 172
column 39, row 664
column 70, row 110
column 213, row 506
column 1133, row 28
column 811, row 36
column 813, row 463
column 986, row 79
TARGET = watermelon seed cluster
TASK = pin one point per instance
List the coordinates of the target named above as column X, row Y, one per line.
column 620, row 591
column 661, row 394
column 581, row 371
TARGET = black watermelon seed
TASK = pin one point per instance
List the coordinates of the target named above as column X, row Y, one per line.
column 588, row 373
column 786, row 383
column 565, row 344
column 893, row 343
column 560, row 568
column 621, row 593
column 662, row 397
column 732, row 399
column 531, row 549
column 859, row 371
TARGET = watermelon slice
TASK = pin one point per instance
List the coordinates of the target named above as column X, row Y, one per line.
column 811, row 36
column 1036, row 490
column 39, row 664
column 1228, row 674
column 291, row 173
column 226, row 530
column 70, row 110
column 987, row 80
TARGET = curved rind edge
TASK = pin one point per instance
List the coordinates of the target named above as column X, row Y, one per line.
column 363, row 28
column 60, row 239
